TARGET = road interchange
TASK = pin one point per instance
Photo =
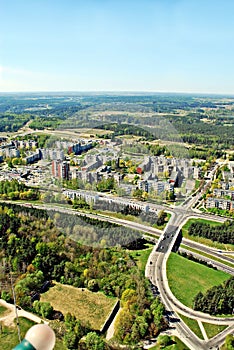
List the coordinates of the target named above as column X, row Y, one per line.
column 156, row 267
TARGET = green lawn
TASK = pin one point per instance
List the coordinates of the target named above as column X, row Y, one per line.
column 9, row 336
column 3, row 310
column 177, row 345
column 193, row 325
column 203, row 240
column 141, row 256
column 213, row 329
column 88, row 307
column 186, row 278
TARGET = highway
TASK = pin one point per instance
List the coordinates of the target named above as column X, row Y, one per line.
column 156, row 266
column 156, row 272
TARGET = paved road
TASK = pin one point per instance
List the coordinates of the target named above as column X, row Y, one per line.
column 8, row 319
column 156, row 272
column 156, row 266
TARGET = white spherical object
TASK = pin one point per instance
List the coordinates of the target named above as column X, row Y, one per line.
column 41, row 336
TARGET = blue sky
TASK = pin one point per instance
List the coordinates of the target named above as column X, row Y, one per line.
column 121, row 45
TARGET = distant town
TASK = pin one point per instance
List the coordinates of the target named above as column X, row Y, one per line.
column 90, row 163
column 117, row 219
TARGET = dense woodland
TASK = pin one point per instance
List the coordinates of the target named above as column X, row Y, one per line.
column 13, row 122
column 222, row 233
column 38, row 246
column 204, row 121
column 218, row 300
column 34, row 250
column 14, row 189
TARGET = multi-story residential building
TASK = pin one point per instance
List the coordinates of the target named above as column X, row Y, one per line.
column 76, row 148
column 60, row 169
column 161, row 165
column 220, row 203
column 11, row 153
column 52, row 154
column 219, row 192
column 143, row 185
column 88, row 197
column 33, row 157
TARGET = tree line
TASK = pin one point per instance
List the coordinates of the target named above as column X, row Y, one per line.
column 13, row 189
column 218, row 300
column 223, row 233
column 35, row 249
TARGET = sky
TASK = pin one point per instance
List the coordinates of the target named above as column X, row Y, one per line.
column 121, row 45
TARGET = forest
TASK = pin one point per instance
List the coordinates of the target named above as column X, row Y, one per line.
column 34, row 250
column 222, row 233
column 13, row 122
column 199, row 120
column 13, row 189
column 218, row 300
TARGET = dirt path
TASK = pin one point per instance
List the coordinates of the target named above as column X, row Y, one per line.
column 8, row 318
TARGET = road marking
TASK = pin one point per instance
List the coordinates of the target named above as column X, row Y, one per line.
column 202, row 330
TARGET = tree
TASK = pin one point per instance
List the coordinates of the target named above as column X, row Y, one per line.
column 93, row 285
column 70, row 340
column 137, row 193
column 162, row 215
column 229, row 342
column 139, row 328
column 94, row 342
column 158, row 310
column 43, row 308
column 123, row 325
column 163, row 341
column 74, row 332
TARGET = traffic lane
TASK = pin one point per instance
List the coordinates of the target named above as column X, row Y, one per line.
column 166, row 239
column 207, row 250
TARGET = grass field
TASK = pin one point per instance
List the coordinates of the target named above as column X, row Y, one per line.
column 186, row 278
column 178, row 345
column 213, row 329
column 141, row 256
column 9, row 336
column 85, row 305
column 193, row 325
column 3, row 310
column 206, row 241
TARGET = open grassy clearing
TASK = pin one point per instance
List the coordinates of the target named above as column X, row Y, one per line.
column 208, row 242
column 3, row 311
column 141, row 256
column 177, row 345
column 9, row 336
column 88, row 307
column 213, row 329
column 193, row 325
column 186, row 278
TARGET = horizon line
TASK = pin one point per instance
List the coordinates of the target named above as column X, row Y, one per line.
column 125, row 92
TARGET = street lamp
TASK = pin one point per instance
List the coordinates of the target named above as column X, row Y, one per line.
column 38, row 337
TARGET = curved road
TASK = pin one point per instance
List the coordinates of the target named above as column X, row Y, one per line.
column 156, row 267
column 156, row 272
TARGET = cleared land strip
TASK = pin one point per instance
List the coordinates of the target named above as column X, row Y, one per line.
column 93, row 308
